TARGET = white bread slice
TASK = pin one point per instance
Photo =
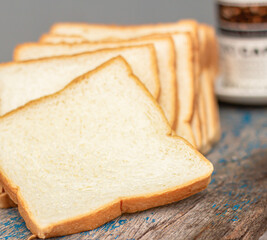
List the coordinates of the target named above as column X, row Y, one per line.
column 99, row 32
column 206, row 145
column 213, row 62
column 209, row 57
column 22, row 82
column 185, row 85
column 55, row 39
column 77, row 165
column 165, row 52
column 95, row 32
column 213, row 65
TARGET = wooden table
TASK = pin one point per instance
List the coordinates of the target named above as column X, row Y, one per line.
column 233, row 207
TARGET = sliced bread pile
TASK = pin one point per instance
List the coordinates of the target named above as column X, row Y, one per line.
column 186, row 55
column 91, row 117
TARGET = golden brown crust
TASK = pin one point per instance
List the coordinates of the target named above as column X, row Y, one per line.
column 195, row 118
column 136, row 204
column 213, row 61
column 191, row 61
column 174, row 84
column 47, row 37
column 183, row 125
column 114, row 209
column 201, row 98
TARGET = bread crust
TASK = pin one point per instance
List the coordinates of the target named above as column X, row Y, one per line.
column 195, row 122
column 183, row 125
column 205, row 146
column 116, row 208
column 46, row 38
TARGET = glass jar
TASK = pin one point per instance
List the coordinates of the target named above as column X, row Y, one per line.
column 242, row 26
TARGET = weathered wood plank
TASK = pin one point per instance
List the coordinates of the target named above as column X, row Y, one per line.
column 233, row 207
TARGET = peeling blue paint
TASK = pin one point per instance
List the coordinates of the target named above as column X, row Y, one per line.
column 222, row 160
column 212, row 181
column 246, row 119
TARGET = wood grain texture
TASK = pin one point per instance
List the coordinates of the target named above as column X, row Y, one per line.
column 233, row 207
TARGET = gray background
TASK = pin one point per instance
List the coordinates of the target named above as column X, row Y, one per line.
column 25, row 20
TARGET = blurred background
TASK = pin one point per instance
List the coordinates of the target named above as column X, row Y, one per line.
column 25, row 21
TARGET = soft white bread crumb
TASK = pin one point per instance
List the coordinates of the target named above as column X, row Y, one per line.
column 100, row 147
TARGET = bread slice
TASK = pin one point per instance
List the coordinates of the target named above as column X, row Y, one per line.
column 94, row 32
column 55, row 39
column 206, row 144
column 213, row 61
column 22, row 82
column 213, row 65
column 209, row 61
column 165, row 52
column 99, row 148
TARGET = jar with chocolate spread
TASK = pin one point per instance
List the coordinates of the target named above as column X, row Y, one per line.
column 242, row 27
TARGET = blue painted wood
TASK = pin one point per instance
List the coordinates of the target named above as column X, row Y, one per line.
column 233, row 207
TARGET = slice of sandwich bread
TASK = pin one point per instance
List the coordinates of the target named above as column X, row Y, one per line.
column 210, row 69
column 96, row 149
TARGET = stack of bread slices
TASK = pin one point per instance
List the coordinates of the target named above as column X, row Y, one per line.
column 90, row 119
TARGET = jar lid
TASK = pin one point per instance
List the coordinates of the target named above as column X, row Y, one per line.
column 243, row 2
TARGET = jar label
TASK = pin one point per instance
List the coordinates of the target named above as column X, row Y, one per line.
column 244, row 63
